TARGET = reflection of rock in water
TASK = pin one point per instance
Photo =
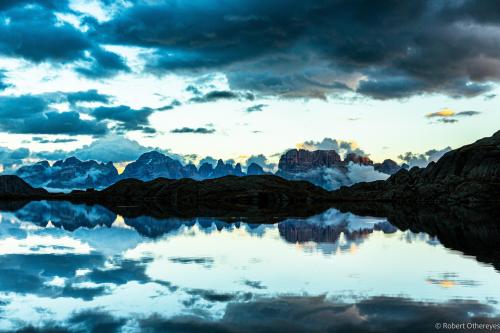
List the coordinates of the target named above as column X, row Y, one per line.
column 65, row 214
column 473, row 231
column 299, row 232
column 328, row 226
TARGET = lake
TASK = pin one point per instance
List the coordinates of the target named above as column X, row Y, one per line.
column 78, row 268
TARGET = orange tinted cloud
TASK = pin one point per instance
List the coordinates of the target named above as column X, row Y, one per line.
column 443, row 113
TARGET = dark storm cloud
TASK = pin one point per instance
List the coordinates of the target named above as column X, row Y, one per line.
column 103, row 64
column 36, row 34
column 295, row 48
column 51, row 4
column 32, row 114
column 52, row 122
column 189, row 130
column 217, row 95
column 127, row 118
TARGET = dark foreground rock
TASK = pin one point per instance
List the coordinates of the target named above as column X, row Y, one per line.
column 468, row 175
column 226, row 192
column 13, row 187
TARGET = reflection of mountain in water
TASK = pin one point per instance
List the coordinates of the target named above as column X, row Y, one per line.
column 328, row 226
column 471, row 231
column 63, row 214
column 68, row 216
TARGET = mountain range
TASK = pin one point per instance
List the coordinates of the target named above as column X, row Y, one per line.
column 324, row 168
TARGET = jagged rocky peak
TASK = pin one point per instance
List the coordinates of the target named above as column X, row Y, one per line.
column 358, row 159
column 190, row 171
column 237, row 170
column 254, row 170
column 153, row 165
column 69, row 173
column 388, row 167
column 205, row 170
column 301, row 160
column 222, row 169
column 152, row 156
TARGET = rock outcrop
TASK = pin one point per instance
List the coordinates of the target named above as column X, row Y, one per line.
column 466, row 175
column 388, row 167
column 15, row 187
column 229, row 190
column 296, row 161
column 255, row 170
column 153, row 165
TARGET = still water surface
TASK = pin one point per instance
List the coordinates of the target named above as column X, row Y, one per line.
column 82, row 268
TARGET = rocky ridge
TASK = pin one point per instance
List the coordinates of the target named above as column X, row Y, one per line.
column 466, row 175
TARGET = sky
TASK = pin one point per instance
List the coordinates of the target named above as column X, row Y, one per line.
column 111, row 79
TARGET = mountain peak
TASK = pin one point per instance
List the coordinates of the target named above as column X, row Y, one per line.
column 152, row 155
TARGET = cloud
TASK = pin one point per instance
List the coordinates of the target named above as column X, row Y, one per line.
column 175, row 103
column 255, row 108
column 189, row 130
column 421, row 160
column 127, row 118
column 102, row 64
column 53, row 122
column 34, row 114
column 468, row 113
column 262, row 161
column 341, row 147
column 209, row 160
column 448, row 120
column 446, row 112
column 91, row 95
column 318, row 48
column 35, row 33
column 217, row 95
column 313, row 49
column 12, row 157
column 114, row 148
column 333, row 178
column 449, row 116
column 319, row 314
column 59, row 140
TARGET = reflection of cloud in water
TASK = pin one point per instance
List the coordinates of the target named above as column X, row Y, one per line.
column 204, row 261
column 207, row 275
column 294, row 314
column 450, row 280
